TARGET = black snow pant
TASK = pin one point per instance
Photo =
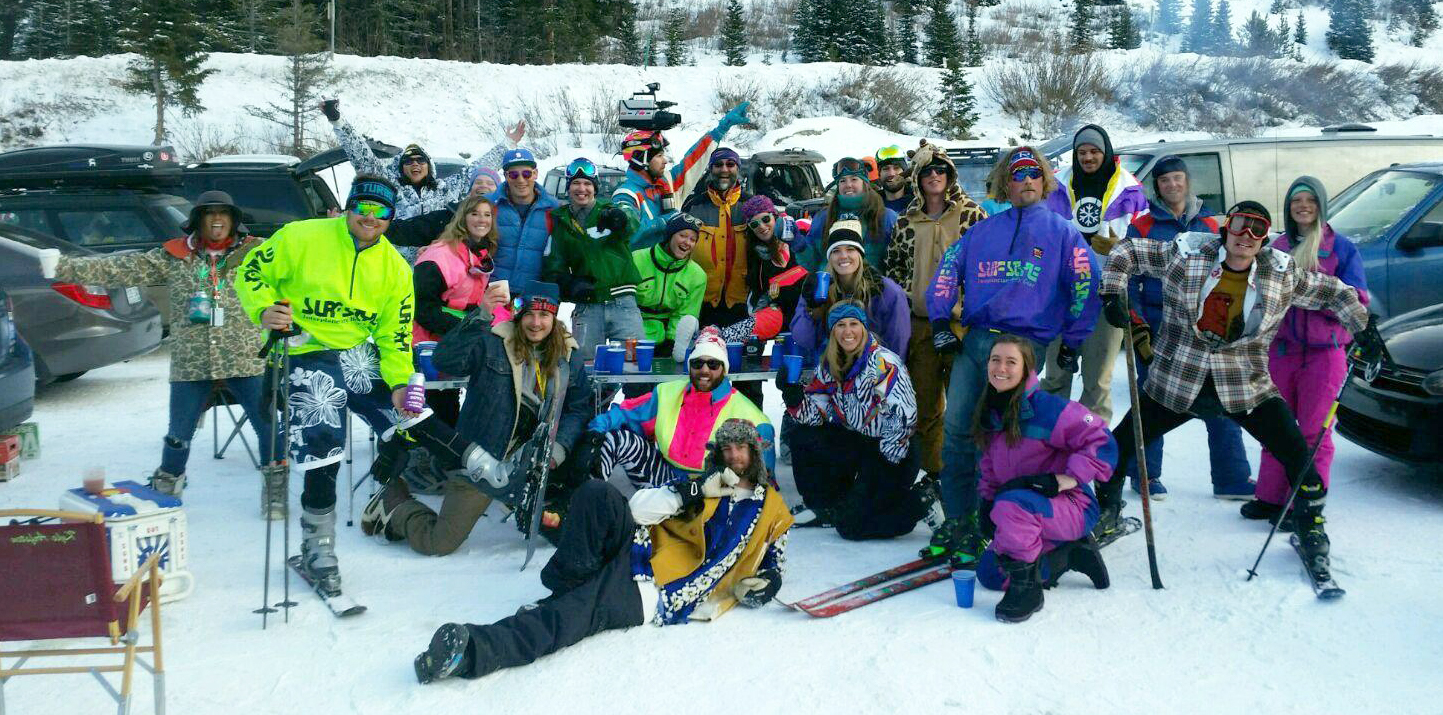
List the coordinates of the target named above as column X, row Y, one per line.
column 844, row 472
column 1271, row 423
column 590, row 581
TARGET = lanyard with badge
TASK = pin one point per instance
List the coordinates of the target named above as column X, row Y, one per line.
column 201, row 309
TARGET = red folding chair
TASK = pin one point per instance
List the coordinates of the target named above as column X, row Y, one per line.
column 58, row 584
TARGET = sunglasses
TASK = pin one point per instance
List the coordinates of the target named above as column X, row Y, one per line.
column 413, row 160
column 760, row 220
column 520, row 174
column 1027, row 172
column 930, row 170
column 725, row 163
column 373, row 210
column 700, row 363
column 581, row 167
column 1248, row 224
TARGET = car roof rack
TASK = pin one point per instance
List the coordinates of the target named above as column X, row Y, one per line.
column 89, row 165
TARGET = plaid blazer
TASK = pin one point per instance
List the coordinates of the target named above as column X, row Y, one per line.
column 1189, row 267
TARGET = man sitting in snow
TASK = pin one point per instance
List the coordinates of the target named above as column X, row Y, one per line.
column 688, row 550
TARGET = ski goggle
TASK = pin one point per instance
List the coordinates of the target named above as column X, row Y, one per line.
column 1027, row 172
column 892, row 153
column 1248, row 224
column 582, row 167
column 372, row 209
column 760, row 220
column 520, row 174
column 849, row 167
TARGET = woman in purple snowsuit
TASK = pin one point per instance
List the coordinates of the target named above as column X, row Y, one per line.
column 1040, row 453
column 1308, row 358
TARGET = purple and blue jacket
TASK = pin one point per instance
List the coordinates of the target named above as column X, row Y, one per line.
column 888, row 317
column 1303, row 328
column 1024, row 271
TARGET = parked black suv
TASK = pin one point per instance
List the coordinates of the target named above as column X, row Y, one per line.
column 270, row 190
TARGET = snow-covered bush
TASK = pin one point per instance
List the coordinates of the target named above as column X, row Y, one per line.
column 1048, row 92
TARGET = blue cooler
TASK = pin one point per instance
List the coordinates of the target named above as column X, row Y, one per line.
column 140, row 521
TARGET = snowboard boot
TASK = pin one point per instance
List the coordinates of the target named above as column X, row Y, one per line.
column 805, row 517
column 318, row 549
column 446, row 656
column 376, row 517
column 167, row 483
column 275, row 491
column 1024, row 590
column 929, row 492
column 1082, row 556
column 1109, row 520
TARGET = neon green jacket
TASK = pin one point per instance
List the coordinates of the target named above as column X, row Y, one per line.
column 340, row 296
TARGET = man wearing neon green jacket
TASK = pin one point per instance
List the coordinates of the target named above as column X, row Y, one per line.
column 343, row 285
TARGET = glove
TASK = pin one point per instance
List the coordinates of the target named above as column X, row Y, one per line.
column 791, row 391
column 757, row 591
column 717, row 485
column 332, row 109
column 612, row 218
column 1141, row 339
column 1370, row 343
column 984, row 521
column 49, row 261
column 737, row 116
column 1112, row 310
column 579, row 289
column 1044, row 484
column 943, row 339
column 1067, row 359
column 1102, row 243
column 685, row 332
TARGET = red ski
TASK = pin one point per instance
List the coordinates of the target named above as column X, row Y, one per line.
column 861, row 583
column 916, row 579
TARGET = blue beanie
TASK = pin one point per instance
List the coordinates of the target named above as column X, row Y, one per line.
column 369, row 187
column 725, row 153
column 682, row 221
column 845, row 309
column 1167, row 165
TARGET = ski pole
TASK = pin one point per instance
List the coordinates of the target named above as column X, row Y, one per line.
column 1141, row 447
column 1277, row 522
column 285, row 425
column 276, row 371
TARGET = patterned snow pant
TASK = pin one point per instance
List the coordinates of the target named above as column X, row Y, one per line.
column 638, row 457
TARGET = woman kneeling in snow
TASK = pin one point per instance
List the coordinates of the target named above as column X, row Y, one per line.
column 1039, row 454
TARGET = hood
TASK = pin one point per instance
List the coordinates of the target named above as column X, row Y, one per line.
column 1415, row 339
column 1109, row 157
column 1290, row 227
column 928, row 154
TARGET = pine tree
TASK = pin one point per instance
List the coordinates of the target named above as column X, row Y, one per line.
column 875, row 42
column 306, row 76
column 1122, row 31
column 1169, row 17
column 629, row 40
column 1223, row 29
column 166, row 36
column 956, row 112
column 1079, row 36
column 734, row 35
column 1300, row 31
column 1349, row 32
column 906, row 30
column 1258, row 39
column 1200, row 28
column 676, row 52
column 942, row 41
column 1276, row 8
column 972, row 45
column 1283, row 38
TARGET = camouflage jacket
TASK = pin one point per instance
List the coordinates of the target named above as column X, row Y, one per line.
column 198, row 351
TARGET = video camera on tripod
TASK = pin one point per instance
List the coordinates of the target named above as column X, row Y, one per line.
column 645, row 111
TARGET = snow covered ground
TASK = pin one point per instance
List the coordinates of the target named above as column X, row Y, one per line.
column 1208, row 643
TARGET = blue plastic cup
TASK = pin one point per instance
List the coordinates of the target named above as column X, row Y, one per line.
column 779, row 346
column 735, row 353
column 599, row 365
column 616, row 360
column 824, row 283
column 424, row 350
column 645, row 352
column 964, row 582
column 793, row 366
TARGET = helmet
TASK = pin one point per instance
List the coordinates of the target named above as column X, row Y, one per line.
column 640, row 145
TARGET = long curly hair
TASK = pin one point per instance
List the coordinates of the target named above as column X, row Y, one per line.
column 552, row 347
column 455, row 231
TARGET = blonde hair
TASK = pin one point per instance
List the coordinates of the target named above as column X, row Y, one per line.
column 455, row 231
column 997, row 180
column 838, row 361
column 552, row 347
column 868, row 286
column 1305, row 244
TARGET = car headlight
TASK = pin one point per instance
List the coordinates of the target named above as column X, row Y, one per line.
column 1433, row 384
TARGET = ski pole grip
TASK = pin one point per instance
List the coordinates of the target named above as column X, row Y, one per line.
column 275, row 336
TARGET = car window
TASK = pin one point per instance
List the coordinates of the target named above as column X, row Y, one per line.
column 33, row 219
column 1134, row 162
column 314, row 197
column 972, row 176
column 1204, row 175
column 1366, row 210
column 268, row 199
column 784, row 183
column 105, row 227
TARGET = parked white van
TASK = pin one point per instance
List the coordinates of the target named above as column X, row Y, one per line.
column 1225, row 171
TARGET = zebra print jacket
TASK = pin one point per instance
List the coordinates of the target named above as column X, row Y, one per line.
column 875, row 398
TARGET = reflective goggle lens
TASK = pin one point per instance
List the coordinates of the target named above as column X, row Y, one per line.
column 373, row 210
column 1248, row 224
column 1027, row 172
column 581, row 167
column 891, row 153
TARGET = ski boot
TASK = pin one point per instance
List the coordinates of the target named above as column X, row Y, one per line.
column 1261, row 510
column 167, row 483
column 446, row 655
column 1109, row 520
column 318, row 549
column 376, row 517
column 929, row 493
column 275, row 491
column 1083, row 556
column 1024, row 590
column 959, row 541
